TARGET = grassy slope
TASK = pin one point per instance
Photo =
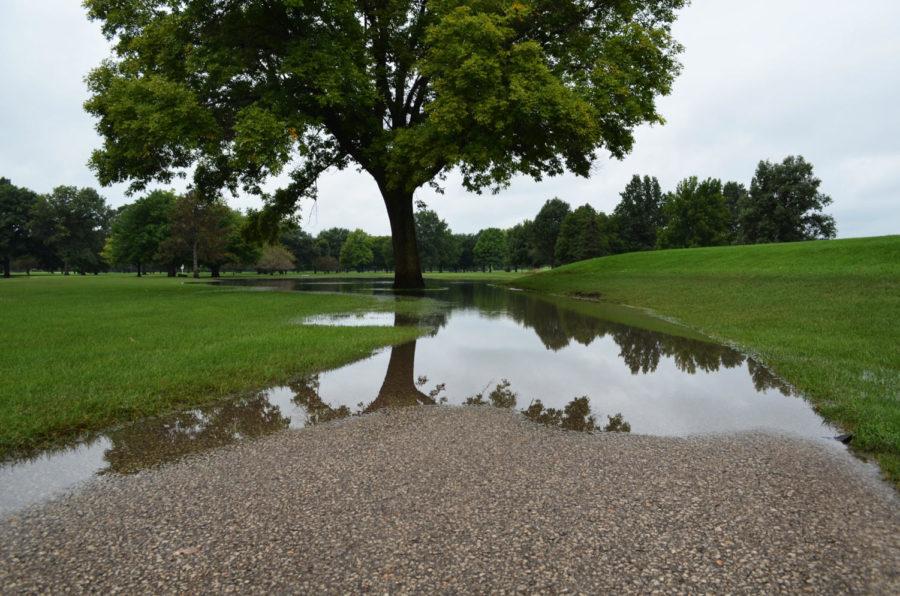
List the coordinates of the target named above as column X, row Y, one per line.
column 80, row 353
column 825, row 315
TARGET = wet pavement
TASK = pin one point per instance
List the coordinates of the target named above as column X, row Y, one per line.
column 469, row 499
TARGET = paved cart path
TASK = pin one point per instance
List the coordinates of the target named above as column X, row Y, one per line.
column 470, row 499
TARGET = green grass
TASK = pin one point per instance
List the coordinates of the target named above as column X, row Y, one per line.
column 824, row 315
column 82, row 353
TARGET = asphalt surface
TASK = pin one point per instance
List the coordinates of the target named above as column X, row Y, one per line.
column 470, row 500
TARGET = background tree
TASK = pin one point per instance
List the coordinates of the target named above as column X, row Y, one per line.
column 735, row 195
column 356, row 253
column 580, row 237
column 519, row 252
column 16, row 205
column 638, row 215
column 330, row 241
column 139, row 229
column 490, row 249
column 275, row 259
column 73, row 223
column 382, row 253
column 785, row 205
column 465, row 244
column 199, row 227
column 302, row 245
column 243, row 252
column 545, row 230
column 434, row 238
column 696, row 215
column 406, row 90
column 325, row 263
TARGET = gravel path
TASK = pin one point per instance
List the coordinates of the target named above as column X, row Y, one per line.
column 470, row 499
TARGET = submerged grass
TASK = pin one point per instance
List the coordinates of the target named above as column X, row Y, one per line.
column 82, row 353
column 825, row 315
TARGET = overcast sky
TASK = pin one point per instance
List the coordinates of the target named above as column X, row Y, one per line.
column 762, row 80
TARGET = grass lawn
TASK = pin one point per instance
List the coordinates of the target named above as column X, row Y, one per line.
column 81, row 353
column 825, row 315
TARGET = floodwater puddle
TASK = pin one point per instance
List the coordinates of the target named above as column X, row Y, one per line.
column 567, row 363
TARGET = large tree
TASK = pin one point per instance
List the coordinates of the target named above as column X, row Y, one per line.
column 405, row 90
column 15, row 216
column 784, row 204
column 139, row 228
column 638, row 215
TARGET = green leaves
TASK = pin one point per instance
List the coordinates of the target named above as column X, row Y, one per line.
column 150, row 125
column 262, row 140
column 407, row 90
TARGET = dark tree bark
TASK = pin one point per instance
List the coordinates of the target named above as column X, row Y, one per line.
column 215, row 270
column 6, row 267
column 139, row 272
column 407, row 267
column 195, row 268
column 170, row 271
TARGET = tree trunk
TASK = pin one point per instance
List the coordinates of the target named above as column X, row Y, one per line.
column 6, row 267
column 171, row 271
column 195, row 269
column 407, row 267
column 139, row 269
column 215, row 270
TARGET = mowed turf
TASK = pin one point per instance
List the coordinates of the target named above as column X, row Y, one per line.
column 825, row 315
column 81, row 353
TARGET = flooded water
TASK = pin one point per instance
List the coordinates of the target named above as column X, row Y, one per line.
column 483, row 344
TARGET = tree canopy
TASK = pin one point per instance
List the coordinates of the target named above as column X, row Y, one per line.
column 16, row 205
column 356, row 253
column 784, row 204
column 490, row 248
column 72, row 223
column 639, row 214
column 696, row 215
column 406, row 90
column 545, row 230
column 140, row 228
column 581, row 237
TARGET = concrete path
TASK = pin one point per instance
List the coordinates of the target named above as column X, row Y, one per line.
column 470, row 500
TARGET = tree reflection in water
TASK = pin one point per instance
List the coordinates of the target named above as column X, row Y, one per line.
column 167, row 438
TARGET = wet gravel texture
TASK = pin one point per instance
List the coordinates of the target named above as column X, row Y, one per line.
column 470, row 500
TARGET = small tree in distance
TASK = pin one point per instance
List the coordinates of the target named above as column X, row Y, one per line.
column 784, row 204
column 490, row 249
column 15, row 215
column 639, row 214
column 356, row 253
column 696, row 215
column 545, row 230
column 275, row 259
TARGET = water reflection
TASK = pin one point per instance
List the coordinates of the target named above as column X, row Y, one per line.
column 557, row 361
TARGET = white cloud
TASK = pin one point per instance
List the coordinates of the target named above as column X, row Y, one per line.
column 762, row 80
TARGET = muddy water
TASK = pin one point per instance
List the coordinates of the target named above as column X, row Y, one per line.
column 483, row 344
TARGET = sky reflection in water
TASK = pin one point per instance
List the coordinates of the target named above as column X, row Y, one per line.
column 481, row 335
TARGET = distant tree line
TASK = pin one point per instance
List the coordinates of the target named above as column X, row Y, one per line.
column 782, row 204
column 73, row 229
